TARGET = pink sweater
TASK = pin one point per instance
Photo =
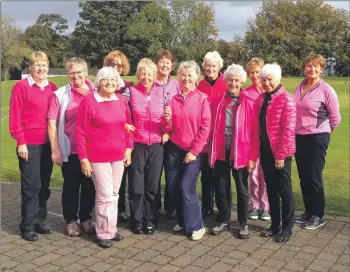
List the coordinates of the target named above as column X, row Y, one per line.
column 318, row 111
column 189, row 126
column 100, row 131
column 28, row 110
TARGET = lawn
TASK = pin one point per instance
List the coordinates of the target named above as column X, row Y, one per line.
column 336, row 174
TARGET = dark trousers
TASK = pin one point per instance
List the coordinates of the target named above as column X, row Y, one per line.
column 168, row 205
column 208, row 185
column 278, row 186
column 144, row 174
column 122, row 200
column 78, row 192
column 182, row 180
column 35, row 183
column 310, row 159
column 223, row 192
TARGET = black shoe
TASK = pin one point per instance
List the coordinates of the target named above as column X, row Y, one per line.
column 301, row 219
column 123, row 217
column 137, row 229
column 105, row 243
column 170, row 215
column 149, row 227
column 29, row 236
column 42, row 228
column 314, row 222
column 270, row 232
column 283, row 236
column 118, row 237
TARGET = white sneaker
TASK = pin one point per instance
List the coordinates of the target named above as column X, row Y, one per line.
column 198, row 234
column 178, row 228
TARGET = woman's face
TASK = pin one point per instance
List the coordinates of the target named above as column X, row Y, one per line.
column 146, row 77
column 164, row 66
column 233, row 83
column 211, row 69
column 269, row 83
column 117, row 65
column 188, row 79
column 108, row 85
column 254, row 75
column 76, row 75
column 312, row 70
column 39, row 70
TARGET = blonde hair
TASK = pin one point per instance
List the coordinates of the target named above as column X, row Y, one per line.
column 77, row 61
column 117, row 54
column 146, row 63
column 315, row 59
column 253, row 63
column 37, row 56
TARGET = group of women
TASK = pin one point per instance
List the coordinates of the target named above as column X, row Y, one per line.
column 100, row 133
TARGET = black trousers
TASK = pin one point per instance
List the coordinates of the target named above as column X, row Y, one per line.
column 144, row 174
column 122, row 192
column 169, row 206
column 310, row 159
column 208, row 185
column 278, row 186
column 35, row 183
column 223, row 191
column 78, row 194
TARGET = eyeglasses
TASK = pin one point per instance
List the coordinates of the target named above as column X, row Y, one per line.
column 113, row 80
column 116, row 65
column 43, row 66
column 76, row 72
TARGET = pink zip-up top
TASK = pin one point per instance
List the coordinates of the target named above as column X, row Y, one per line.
column 100, row 129
column 253, row 92
column 147, row 111
column 29, row 104
column 318, row 111
column 189, row 125
column 170, row 88
column 213, row 92
column 245, row 135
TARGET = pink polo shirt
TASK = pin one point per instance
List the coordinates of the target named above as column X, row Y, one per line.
column 70, row 114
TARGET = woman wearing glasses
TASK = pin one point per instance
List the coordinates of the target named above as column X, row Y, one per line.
column 61, row 129
column 120, row 63
column 104, row 148
column 29, row 103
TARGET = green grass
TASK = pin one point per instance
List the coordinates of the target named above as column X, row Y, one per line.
column 336, row 173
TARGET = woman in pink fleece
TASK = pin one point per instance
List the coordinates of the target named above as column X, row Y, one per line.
column 317, row 117
column 104, row 148
column 258, row 195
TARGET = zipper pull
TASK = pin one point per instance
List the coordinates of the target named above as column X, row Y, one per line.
column 149, row 98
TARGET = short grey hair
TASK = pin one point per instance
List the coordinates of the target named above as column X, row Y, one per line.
column 213, row 57
column 236, row 71
column 107, row 72
column 271, row 69
column 189, row 65
column 76, row 61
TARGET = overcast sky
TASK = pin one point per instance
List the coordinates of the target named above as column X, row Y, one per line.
column 231, row 16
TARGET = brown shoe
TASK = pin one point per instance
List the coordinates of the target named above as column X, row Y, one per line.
column 89, row 226
column 73, row 228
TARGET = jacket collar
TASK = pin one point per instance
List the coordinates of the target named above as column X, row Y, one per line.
column 220, row 78
column 314, row 87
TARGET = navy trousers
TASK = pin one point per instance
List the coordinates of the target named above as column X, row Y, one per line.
column 182, row 179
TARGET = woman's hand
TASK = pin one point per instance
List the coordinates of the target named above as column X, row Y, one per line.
column 165, row 138
column 167, row 113
column 86, row 167
column 127, row 157
column 129, row 128
column 23, row 151
column 189, row 158
column 279, row 164
column 251, row 166
column 56, row 156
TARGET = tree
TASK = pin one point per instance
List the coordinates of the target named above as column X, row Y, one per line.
column 53, row 21
column 232, row 52
column 186, row 28
column 287, row 31
column 39, row 37
column 13, row 48
column 102, row 27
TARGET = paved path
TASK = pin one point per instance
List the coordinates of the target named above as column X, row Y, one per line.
column 326, row 249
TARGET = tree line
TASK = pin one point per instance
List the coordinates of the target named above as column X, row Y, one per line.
column 281, row 31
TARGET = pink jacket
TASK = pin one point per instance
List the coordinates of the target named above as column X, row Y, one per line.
column 280, row 123
column 189, row 125
column 252, row 92
column 147, row 111
column 245, row 137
